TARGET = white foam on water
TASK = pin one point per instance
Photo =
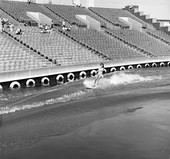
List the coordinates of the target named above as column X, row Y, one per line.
column 114, row 80
column 119, row 79
column 65, row 98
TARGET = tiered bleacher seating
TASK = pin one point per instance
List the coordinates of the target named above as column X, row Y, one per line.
column 111, row 47
column 145, row 41
column 18, row 10
column 69, row 13
column 159, row 34
column 34, row 49
column 57, row 47
column 5, row 15
column 15, row 57
column 112, row 15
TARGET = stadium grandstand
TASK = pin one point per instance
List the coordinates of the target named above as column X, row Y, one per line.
column 51, row 35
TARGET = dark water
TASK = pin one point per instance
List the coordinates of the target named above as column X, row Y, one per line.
column 126, row 117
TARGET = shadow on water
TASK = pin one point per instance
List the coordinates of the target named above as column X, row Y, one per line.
column 133, row 109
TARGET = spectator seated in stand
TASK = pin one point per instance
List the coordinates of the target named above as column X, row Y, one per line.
column 67, row 28
column 11, row 27
column 4, row 22
column 45, row 29
column 19, row 31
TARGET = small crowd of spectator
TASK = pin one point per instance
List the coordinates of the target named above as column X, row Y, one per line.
column 66, row 28
column 45, row 28
column 5, row 23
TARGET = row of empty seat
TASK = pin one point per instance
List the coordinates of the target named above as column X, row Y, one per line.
column 57, row 47
column 112, row 15
column 15, row 57
column 6, row 16
column 18, row 10
column 159, row 34
column 69, row 13
column 111, row 47
column 145, row 41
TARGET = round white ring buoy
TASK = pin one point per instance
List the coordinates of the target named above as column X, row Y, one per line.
column 146, row 65
column 45, row 81
column 154, row 65
column 82, row 75
column 93, row 73
column 138, row 66
column 130, row 67
column 162, row 64
column 15, row 85
column 60, row 78
column 168, row 63
column 30, row 83
column 113, row 69
column 70, row 77
column 1, row 88
column 122, row 68
column 104, row 71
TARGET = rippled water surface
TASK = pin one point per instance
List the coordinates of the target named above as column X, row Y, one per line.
column 126, row 116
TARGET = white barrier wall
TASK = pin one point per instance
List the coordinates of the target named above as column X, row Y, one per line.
column 125, row 21
column 88, row 3
column 89, row 21
column 83, row 19
column 135, row 25
column 40, row 18
column 19, row 0
column 93, row 23
column 131, row 23
column 62, row 2
column 45, row 20
column 42, row 1
column 34, row 16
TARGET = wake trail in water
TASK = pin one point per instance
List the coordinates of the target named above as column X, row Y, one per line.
column 107, row 82
column 65, row 98
column 121, row 79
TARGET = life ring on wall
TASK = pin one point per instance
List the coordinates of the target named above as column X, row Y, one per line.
column 154, row 65
column 104, row 71
column 113, row 69
column 1, row 88
column 93, row 73
column 15, row 85
column 30, row 83
column 70, row 77
column 82, row 75
column 147, row 65
column 130, row 67
column 138, row 66
column 162, row 64
column 60, row 78
column 168, row 63
column 45, row 81
column 122, row 68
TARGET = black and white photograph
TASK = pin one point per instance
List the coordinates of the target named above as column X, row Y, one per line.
column 84, row 79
